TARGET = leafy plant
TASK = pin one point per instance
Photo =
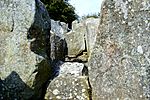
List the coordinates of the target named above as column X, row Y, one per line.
column 95, row 15
column 61, row 10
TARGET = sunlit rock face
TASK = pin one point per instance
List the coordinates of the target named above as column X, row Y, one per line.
column 119, row 64
column 24, row 49
column 70, row 84
column 81, row 39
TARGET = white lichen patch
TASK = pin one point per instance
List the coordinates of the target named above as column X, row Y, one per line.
column 146, row 5
column 80, row 98
column 123, row 22
column 55, row 92
column 120, row 4
column 58, row 97
column 146, row 21
column 141, row 96
column 73, row 69
column 83, row 90
column 75, row 93
column 143, row 71
column 132, row 10
column 139, row 49
column 130, row 23
column 70, row 96
column 118, row 99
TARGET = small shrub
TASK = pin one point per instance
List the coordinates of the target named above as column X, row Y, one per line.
column 95, row 15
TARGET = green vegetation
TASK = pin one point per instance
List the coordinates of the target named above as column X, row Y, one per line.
column 96, row 15
column 61, row 10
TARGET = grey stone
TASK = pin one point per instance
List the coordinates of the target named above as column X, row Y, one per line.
column 24, row 48
column 58, row 47
column 75, row 39
column 81, row 39
column 68, row 88
column 58, row 43
column 91, row 31
column 69, row 84
column 71, row 68
column 119, row 63
column 59, row 28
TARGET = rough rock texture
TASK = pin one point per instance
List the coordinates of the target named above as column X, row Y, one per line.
column 57, row 40
column 75, row 39
column 59, row 28
column 74, row 69
column 68, row 88
column 119, row 67
column 91, row 31
column 24, row 49
column 69, row 84
column 81, row 39
column 58, row 47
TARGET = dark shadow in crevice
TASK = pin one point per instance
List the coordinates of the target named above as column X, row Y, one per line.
column 69, row 27
column 56, row 68
column 39, row 36
column 59, row 48
column 13, row 88
column 39, row 32
column 90, row 89
column 85, row 72
column 80, row 54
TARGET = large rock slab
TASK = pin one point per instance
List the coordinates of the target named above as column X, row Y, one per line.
column 59, row 28
column 119, row 64
column 24, row 49
column 69, row 84
column 75, row 39
column 81, row 39
column 57, row 40
column 91, row 33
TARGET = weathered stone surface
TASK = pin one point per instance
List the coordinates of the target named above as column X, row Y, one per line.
column 58, row 47
column 68, row 88
column 91, row 31
column 75, row 39
column 81, row 39
column 70, row 84
column 24, row 48
column 119, row 65
column 73, row 69
column 59, row 28
column 57, row 40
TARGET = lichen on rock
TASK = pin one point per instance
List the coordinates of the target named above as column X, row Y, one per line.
column 69, row 84
column 119, row 63
column 24, row 56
